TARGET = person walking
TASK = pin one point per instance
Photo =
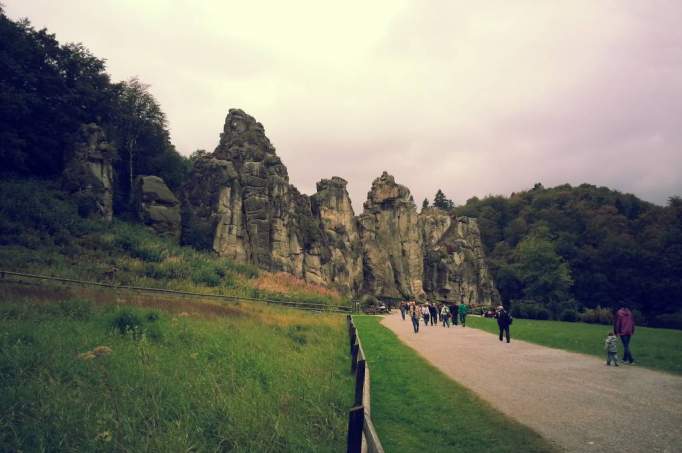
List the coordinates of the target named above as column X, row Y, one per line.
column 454, row 312
column 504, row 320
column 433, row 311
column 445, row 315
column 611, row 346
column 414, row 316
column 403, row 308
column 426, row 314
column 624, row 327
column 463, row 312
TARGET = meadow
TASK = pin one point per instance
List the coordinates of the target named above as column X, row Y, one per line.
column 652, row 348
column 416, row 407
column 78, row 375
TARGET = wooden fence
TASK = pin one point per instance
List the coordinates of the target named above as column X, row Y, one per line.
column 20, row 276
column 362, row 436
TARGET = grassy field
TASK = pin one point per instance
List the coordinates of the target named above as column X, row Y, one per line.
column 652, row 348
column 77, row 375
column 416, row 407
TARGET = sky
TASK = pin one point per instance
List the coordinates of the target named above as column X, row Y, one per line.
column 474, row 98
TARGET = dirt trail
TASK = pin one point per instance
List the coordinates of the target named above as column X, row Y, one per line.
column 572, row 399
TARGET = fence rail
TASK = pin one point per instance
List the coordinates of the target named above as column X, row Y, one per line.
column 362, row 435
column 297, row 305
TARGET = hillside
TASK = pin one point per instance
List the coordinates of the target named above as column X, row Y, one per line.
column 583, row 247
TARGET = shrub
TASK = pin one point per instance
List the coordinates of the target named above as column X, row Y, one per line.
column 126, row 321
column 668, row 320
column 205, row 274
column 569, row 315
column 597, row 315
column 543, row 314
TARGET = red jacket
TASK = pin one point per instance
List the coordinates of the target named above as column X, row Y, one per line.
column 624, row 322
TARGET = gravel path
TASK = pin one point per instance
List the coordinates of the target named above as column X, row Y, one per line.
column 573, row 400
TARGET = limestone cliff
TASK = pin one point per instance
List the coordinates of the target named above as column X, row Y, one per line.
column 239, row 203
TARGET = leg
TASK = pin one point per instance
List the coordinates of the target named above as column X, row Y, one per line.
column 506, row 331
column 627, row 355
column 501, row 331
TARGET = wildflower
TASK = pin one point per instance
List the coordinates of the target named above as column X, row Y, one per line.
column 102, row 350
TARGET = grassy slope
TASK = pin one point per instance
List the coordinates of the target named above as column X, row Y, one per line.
column 417, row 408
column 41, row 232
column 653, row 348
column 262, row 379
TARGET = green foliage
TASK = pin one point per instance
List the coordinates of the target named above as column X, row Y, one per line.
column 126, row 321
column 597, row 315
column 653, row 348
column 247, row 383
column 612, row 246
column 568, row 315
column 416, row 407
column 442, row 202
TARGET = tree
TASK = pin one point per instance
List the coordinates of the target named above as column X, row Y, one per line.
column 546, row 277
column 138, row 116
column 425, row 203
column 442, row 202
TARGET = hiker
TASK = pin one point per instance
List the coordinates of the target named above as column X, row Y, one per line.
column 504, row 320
column 463, row 312
column 624, row 327
column 403, row 308
column 425, row 314
column 611, row 346
column 445, row 315
column 414, row 316
column 454, row 312
column 433, row 311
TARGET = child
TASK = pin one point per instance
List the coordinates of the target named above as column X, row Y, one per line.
column 611, row 346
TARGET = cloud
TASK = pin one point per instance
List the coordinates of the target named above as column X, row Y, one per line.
column 471, row 97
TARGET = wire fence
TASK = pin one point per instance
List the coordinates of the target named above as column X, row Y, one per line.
column 21, row 276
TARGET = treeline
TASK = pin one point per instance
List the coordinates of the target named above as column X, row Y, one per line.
column 568, row 249
column 48, row 89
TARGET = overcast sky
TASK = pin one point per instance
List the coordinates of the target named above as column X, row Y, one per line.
column 475, row 98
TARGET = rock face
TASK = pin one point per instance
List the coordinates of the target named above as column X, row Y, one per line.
column 239, row 203
column 88, row 174
column 454, row 262
column 157, row 207
column 393, row 263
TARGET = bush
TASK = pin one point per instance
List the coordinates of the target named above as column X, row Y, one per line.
column 543, row 314
column 668, row 320
column 597, row 315
column 569, row 315
column 126, row 321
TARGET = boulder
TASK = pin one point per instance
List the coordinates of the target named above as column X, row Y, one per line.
column 156, row 205
column 88, row 173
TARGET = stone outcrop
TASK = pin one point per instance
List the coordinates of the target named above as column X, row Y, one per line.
column 156, row 206
column 391, row 242
column 239, row 203
column 88, row 174
column 454, row 261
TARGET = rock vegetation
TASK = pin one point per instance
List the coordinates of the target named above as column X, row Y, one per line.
column 238, row 202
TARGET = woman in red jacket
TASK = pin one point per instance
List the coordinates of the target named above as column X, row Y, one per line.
column 624, row 327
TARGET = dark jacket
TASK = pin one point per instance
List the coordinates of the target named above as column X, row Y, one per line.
column 504, row 319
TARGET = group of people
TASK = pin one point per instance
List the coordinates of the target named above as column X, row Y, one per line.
column 431, row 312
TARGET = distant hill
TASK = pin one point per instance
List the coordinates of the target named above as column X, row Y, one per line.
column 597, row 246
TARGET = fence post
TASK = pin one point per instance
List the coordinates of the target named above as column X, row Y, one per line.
column 353, row 336
column 359, row 382
column 356, row 422
column 354, row 352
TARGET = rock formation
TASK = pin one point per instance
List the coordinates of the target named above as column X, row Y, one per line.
column 156, row 206
column 239, row 203
column 88, row 174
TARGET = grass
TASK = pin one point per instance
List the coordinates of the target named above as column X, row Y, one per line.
column 415, row 407
column 41, row 232
column 653, row 348
column 244, row 378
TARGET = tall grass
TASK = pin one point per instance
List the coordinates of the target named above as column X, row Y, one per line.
column 77, row 376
